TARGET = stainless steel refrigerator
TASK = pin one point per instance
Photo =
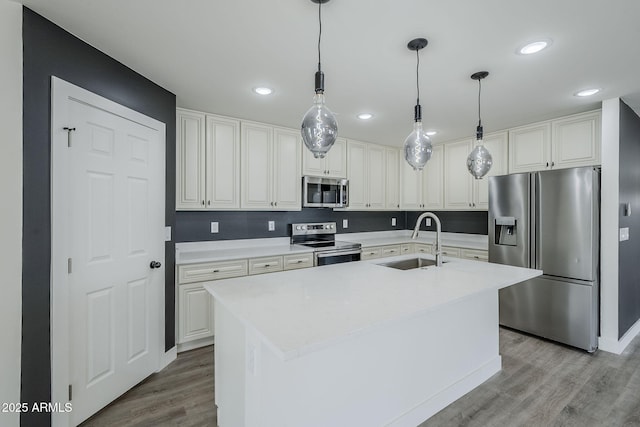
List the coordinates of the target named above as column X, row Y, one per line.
column 550, row 221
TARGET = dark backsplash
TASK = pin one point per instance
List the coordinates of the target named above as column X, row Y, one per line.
column 192, row 226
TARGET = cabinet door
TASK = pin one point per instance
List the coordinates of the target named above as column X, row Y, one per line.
column 222, row 163
column 410, row 188
column 576, row 141
column 376, row 177
column 530, row 148
column 497, row 144
column 195, row 313
column 458, row 190
column 256, row 154
column 311, row 165
column 336, row 159
column 287, row 179
column 356, row 159
column 432, row 180
column 393, row 179
column 190, row 160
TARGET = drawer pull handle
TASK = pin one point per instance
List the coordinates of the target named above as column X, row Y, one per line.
column 216, row 271
column 299, row 261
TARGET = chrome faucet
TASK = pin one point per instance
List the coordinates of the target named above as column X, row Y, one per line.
column 416, row 230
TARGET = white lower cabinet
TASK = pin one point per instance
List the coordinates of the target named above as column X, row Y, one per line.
column 474, row 254
column 196, row 313
column 371, row 253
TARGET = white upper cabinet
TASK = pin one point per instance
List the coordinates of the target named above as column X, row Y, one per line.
column 270, row 164
column 366, row 166
column 287, row 180
column 423, row 189
column 563, row 143
column 458, row 190
column 208, row 161
column 462, row 190
column 530, row 148
column 393, row 178
column 497, row 144
column 334, row 164
column 223, row 163
column 576, row 140
column 432, row 180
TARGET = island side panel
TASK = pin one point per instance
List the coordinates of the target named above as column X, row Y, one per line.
column 229, row 365
column 398, row 373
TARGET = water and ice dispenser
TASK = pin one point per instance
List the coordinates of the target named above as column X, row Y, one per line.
column 505, row 231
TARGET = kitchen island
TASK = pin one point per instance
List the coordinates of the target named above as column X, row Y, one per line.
column 356, row 343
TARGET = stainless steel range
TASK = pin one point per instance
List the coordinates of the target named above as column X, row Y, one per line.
column 321, row 236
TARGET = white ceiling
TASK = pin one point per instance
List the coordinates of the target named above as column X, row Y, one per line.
column 211, row 54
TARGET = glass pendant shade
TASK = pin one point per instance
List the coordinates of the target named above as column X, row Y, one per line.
column 479, row 161
column 319, row 127
column 417, row 147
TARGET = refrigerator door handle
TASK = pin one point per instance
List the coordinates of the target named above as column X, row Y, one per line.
column 535, row 221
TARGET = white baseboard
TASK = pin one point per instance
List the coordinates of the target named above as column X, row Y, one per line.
column 168, row 357
column 190, row 345
column 617, row 346
column 438, row 402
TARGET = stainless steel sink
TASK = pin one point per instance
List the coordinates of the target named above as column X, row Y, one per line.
column 408, row 264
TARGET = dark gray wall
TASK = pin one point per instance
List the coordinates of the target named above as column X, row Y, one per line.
column 195, row 226
column 629, row 251
column 51, row 51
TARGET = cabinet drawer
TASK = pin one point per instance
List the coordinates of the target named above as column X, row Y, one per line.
column 407, row 248
column 474, row 254
column 393, row 250
column 265, row 265
column 423, row 248
column 292, row 262
column 371, row 253
column 451, row 251
column 211, row 271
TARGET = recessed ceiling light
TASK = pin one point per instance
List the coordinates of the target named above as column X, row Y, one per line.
column 587, row 92
column 263, row 90
column 534, row 47
column 365, row 116
column 431, row 132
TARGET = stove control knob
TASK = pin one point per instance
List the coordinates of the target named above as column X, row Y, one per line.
column 330, row 226
column 304, row 227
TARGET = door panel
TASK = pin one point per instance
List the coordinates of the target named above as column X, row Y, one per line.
column 116, row 219
column 567, row 223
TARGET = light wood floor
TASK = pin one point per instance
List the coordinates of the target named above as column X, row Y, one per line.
column 541, row 384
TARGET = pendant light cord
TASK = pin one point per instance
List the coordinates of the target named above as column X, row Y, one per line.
column 417, row 76
column 479, row 92
column 319, row 32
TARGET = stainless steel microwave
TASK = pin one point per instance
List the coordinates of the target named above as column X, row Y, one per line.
column 322, row 192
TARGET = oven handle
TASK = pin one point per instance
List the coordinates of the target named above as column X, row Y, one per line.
column 338, row 253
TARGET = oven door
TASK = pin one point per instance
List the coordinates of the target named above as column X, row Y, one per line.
column 337, row 257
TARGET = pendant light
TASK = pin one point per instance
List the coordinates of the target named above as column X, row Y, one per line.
column 319, row 126
column 417, row 146
column 479, row 161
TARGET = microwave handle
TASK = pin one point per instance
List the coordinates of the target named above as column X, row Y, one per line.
column 344, row 196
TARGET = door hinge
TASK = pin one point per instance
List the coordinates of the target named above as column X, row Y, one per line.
column 69, row 265
column 69, row 130
column 70, row 392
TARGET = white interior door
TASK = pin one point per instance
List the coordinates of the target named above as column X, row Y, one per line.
column 114, row 231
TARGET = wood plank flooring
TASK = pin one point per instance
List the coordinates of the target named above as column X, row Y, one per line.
column 541, row 384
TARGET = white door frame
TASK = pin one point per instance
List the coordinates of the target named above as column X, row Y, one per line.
column 61, row 93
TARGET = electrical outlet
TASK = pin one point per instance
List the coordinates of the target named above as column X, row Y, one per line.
column 214, row 227
column 345, row 223
column 428, row 222
column 272, row 225
column 393, row 222
column 167, row 234
column 624, row 234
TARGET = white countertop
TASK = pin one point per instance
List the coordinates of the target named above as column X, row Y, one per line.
column 301, row 311
column 381, row 238
column 227, row 250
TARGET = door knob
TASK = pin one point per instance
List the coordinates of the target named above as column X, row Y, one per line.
column 155, row 264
